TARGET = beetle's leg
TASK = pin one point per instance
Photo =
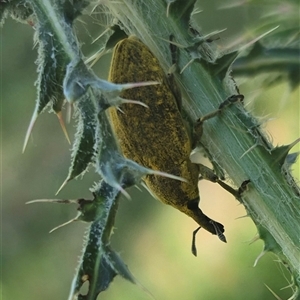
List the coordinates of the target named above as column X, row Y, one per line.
column 219, row 233
column 230, row 100
column 204, row 222
column 205, row 172
column 198, row 127
column 208, row 174
column 218, row 228
column 194, row 248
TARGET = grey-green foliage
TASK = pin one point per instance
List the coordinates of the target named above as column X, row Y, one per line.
column 246, row 153
column 277, row 55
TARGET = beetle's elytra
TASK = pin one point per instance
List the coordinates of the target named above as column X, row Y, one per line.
column 156, row 137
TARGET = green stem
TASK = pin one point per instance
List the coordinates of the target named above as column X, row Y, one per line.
column 50, row 16
column 95, row 265
column 233, row 140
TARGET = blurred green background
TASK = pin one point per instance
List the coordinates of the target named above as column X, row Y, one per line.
column 153, row 239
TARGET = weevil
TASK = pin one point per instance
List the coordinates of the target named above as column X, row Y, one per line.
column 157, row 137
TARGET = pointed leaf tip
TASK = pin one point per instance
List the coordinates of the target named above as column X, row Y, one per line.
column 119, row 266
column 181, row 11
column 221, row 66
column 280, row 153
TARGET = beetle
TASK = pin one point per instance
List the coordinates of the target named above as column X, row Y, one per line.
column 157, row 137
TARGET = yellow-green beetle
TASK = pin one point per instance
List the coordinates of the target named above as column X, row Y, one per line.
column 156, row 137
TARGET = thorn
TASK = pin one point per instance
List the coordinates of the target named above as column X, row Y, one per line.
column 289, row 286
column 153, row 172
column 69, row 112
column 241, row 217
column 123, row 192
column 294, row 143
column 63, row 185
column 63, row 127
column 120, row 110
column 64, row 201
column 254, row 239
column 66, row 223
column 96, row 56
column 190, row 62
column 143, row 184
column 273, row 293
column 250, row 149
column 173, row 43
column 196, row 11
column 132, row 85
column 133, row 102
column 258, row 38
column 102, row 34
column 138, row 188
column 29, row 130
column 259, row 257
column 210, row 36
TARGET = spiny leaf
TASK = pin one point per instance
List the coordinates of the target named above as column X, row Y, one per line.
column 91, row 96
column 270, row 242
column 57, row 44
column 51, row 68
column 80, row 78
column 85, row 138
column 280, row 63
column 99, row 263
column 222, row 65
column 280, row 153
column 19, row 10
column 87, row 209
column 198, row 50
